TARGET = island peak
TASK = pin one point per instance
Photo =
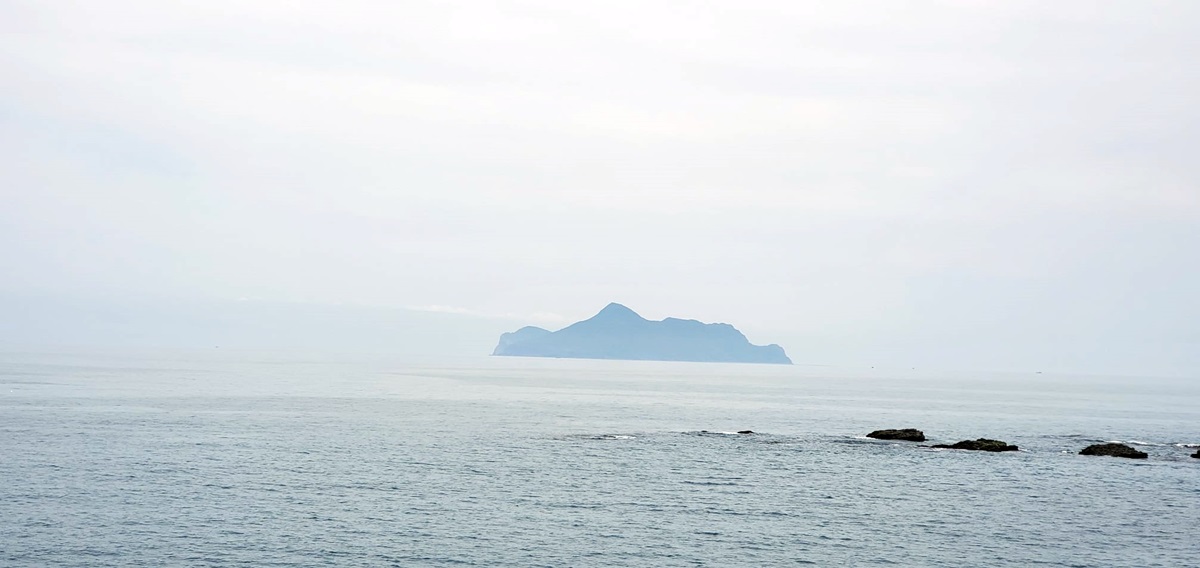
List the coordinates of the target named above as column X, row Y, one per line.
column 617, row 311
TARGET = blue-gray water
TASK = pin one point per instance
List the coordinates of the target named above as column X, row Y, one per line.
column 235, row 459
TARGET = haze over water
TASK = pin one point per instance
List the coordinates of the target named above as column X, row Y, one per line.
column 212, row 459
column 1006, row 185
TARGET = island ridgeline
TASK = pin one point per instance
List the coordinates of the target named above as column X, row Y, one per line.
column 618, row 332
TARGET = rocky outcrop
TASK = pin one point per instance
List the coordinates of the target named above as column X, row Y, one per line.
column 745, row 431
column 1113, row 450
column 980, row 445
column 906, row 434
column 618, row 332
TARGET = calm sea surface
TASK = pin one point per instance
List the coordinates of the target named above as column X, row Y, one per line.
column 241, row 460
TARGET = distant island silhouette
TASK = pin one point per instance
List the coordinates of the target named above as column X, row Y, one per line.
column 618, row 332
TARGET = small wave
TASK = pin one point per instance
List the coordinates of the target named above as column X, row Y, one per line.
column 862, row 441
column 721, row 483
column 599, row 437
column 1187, row 445
column 1135, row 442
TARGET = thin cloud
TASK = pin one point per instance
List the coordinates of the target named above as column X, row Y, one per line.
column 543, row 317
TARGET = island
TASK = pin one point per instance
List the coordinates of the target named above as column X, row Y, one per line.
column 618, row 332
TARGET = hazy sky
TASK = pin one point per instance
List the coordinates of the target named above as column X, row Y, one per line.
column 991, row 184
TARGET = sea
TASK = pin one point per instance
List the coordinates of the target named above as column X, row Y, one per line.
column 223, row 458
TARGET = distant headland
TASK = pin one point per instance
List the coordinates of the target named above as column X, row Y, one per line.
column 618, row 332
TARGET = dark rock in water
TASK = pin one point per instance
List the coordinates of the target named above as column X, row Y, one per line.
column 618, row 332
column 981, row 445
column 1196, row 455
column 1114, row 450
column 907, row 434
column 745, row 431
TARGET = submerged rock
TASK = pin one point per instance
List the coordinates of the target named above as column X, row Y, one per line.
column 1114, row 450
column 907, row 434
column 981, row 445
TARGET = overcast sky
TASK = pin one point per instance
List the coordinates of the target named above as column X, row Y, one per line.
column 986, row 184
